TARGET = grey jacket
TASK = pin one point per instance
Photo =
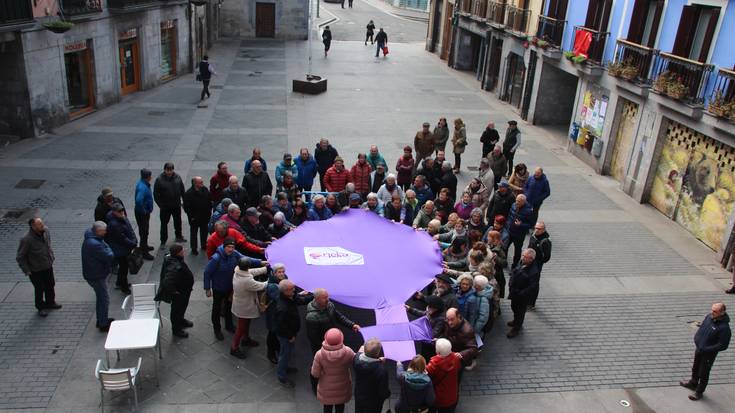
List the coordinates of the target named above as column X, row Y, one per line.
column 34, row 252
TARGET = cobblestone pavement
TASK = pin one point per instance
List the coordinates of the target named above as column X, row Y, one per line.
column 617, row 299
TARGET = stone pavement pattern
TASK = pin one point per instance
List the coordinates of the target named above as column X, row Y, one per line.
column 617, row 300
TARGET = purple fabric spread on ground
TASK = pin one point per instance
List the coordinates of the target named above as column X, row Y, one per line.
column 397, row 342
column 416, row 330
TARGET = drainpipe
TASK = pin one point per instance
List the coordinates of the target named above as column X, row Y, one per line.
column 455, row 31
column 191, row 46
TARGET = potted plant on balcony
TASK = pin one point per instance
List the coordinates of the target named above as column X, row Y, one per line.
column 662, row 82
column 579, row 59
column 58, row 26
column 569, row 55
column 629, row 71
column 676, row 89
column 614, row 68
column 542, row 44
column 718, row 106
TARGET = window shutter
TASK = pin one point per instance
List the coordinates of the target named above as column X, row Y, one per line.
column 709, row 34
column 638, row 21
column 685, row 33
column 656, row 21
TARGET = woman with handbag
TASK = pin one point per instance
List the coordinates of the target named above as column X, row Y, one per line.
column 245, row 302
column 459, row 141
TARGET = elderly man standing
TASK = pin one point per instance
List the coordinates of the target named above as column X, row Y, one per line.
column 490, row 137
column 498, row 164
column 104, row 204
column 537, row 190
column 524, row 279
column 541, row 243
column 307, row 168
column 256, row 157
column 460, row 333
column 321, row 315
column 511, row 143
column 712, row 337
column 97, row 259
column 198, row 210
column 371, row 378
column 374, row 158
column 36, row 259
column 423, row 144
column 324, row 154
column 518, row 224
column 122, row 240
column 167, row 192
column 143, row 210
column 256, row 183
column 288, row 324
column 235, row 192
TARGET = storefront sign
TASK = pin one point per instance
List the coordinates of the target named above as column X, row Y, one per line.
column 75, row 47
column 168, row 24
column 332, row 256
column 128, row 34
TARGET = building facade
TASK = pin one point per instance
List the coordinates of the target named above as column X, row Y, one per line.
column 53, row 74
column 281, row 19
column 646, row 87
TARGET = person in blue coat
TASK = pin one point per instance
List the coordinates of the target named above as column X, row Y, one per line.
column 517, row 226
column 97, row 259
column 144, row 209
column 122, row 240
column 256, row 157
column 319, row 210
column 307, row 168
column 536, row 189
column 286, row 164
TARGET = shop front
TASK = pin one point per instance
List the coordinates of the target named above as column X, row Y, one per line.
column 168, row 49
column 79, row 78
column 514, row 79
column 129, row 61
column 624, row 138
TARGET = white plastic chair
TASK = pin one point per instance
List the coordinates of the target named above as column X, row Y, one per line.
column 144, row 305
column 117, row 380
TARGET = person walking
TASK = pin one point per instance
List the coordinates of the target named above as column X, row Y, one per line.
column 511, row 142
column 167, row 192
column 490, row 137
column 541, row 243
column 327, row 38
column 245, row 289
column 331, row 367
column 288, row 324
column 143, row 211
column 350, row 3
column 35, row 258
column 382, row 40
column 371, row 378
column 97, row 259
column 712, row 337
column 443, row 369
column 219, row 182
column 537, row 189
column 417, row 390
column 198, row 209
column 523, row 282
column 204, row 73
column 218, row 285
column 121, row 238
column 370, row 29
column 441, row 135
column 459, row 142
column 176, row 284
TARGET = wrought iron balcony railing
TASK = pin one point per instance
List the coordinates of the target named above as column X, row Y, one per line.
column 551, row 30
column 632, row 62
column 517, row 19
column 722, row 101
column 596, row 50
column 479, row 8
column 78, row 7
column 680, row 78
column 496, row 12
column 15, row 12
column 129, row 4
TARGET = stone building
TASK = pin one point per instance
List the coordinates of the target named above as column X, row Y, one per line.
column 281, row 19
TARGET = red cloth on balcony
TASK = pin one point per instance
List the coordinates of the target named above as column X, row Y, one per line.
column 582, row 41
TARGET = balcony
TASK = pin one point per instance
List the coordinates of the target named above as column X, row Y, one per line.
column 680, row 83
column 722, row 100
column 496, row 13
column 596, row 49
column 14, row 13
column 632, row 62
column 479, row 9
column 465, row 7
column 130, row 5
column 551, row 30
column 517, row 20
column 80, row 7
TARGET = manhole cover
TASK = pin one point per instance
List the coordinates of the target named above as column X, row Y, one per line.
column 625, row 403
column 156, row 113
column 217, row 86
column 29, row 183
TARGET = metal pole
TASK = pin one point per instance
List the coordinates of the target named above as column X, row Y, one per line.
column 309, row 36
column 317, row 9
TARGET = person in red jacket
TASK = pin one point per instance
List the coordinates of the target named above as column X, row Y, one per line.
column 360, row 175
column 337, row 176
column 444, row 369
column 218, row 183
column 404, row 167
column 222, row 232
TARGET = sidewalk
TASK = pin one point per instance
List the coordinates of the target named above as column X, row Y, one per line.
column 410, row 14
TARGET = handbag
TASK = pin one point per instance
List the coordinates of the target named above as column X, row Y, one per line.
column 385, row 50
column 135, row 261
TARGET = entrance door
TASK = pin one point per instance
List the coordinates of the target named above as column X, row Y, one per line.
column 79, row 82
column 529, row 85
column 623, row 140
column 265, row 20
column 447, row 37
column 496, row 50
column 514, row 84
column 129, row 69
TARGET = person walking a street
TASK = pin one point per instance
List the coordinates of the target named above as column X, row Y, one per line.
column 490, row 137
column 511, row 142
column 121, row 238
column 541, row 243
column 517, row 225
column 245, row 308
column 218, row 285
column 97, row 259
column 255, row 157
column 177, row 282
column 331, row 368
column 537, row 189
column 198, row 209
column 168, row 192
column 371, row 378
column 382, row 40
column 712, row 337
column 204, row 73
column 104, row 204
column 288, row 324
column 143, row 211
column 524, row 278
column 324, row 154
column 459, row 142
column 327, row 38
column 218, row 183
column 35, row 258
column 370, row 30
column 423, row 144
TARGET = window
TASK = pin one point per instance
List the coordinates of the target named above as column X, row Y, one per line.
column 696, row 30
column 557, row 9
column 598, row 15
column 644, row 22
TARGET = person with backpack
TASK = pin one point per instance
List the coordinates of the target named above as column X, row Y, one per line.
column 176, row 284
column 326, row 39
column 205, row 72
column 541, row 243
column 370, row 30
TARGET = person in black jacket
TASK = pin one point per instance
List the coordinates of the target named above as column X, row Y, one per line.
column 288, row 324
column 370, row 29
column 324, row 154
column 252, row 228
column 205, row 72
column 236, row 193
column 198, row 208
column 712, row 337
column 256, row 183
column 326, row 39
column 541, row 243
column 122, row 240
column 382, row 40
column 104, row 204
column 449, row 180
column 523, row 282
column 167, row 192
column 490, row 137
column 371, row 378
column 501, row 202
column 177, row 282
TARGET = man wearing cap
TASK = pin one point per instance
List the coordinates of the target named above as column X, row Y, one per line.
column 198, row 210
column 490, row 137
column 511, row 143
column 121, row 239
column 443, row 289
column 423, row 143
column 256, row 183
column 143, row 210
column 498, row 163
column 167, row 192
column 36, row 258
column 336, row 176
column 252, row 228
column 501, row 202
column 104, row 204
column 286, row 164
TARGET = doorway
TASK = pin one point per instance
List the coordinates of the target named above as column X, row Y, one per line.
column 624, row 138
column 493, row 65
column 265, row 20
column 514, row 82
column 129, row 66
column 78, row 65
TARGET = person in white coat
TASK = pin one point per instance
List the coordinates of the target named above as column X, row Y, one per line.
column 245, row 301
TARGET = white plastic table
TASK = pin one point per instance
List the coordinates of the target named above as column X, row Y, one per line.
column 134, row 335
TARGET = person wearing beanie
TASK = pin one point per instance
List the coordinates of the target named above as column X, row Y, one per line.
column 143, row 210
column 218, row 284
column 444, row 372
column 417, row 391
column 245, row 301
column 331, row 366
column 286, row 165
column 404, row 168
column 337, row 177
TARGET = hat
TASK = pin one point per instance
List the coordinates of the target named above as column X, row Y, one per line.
column 504, row 183
column 229, row 241
column 287, row 156
column 117, row 207
column 512, row 122
column 338, row 159
column 435, row 302
column 426, row 124
column 444, row 277
column 106, row 192
column 407, row 149
column 333, row 337
column 355, row 197
column 252, row 212
column 443, row 347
